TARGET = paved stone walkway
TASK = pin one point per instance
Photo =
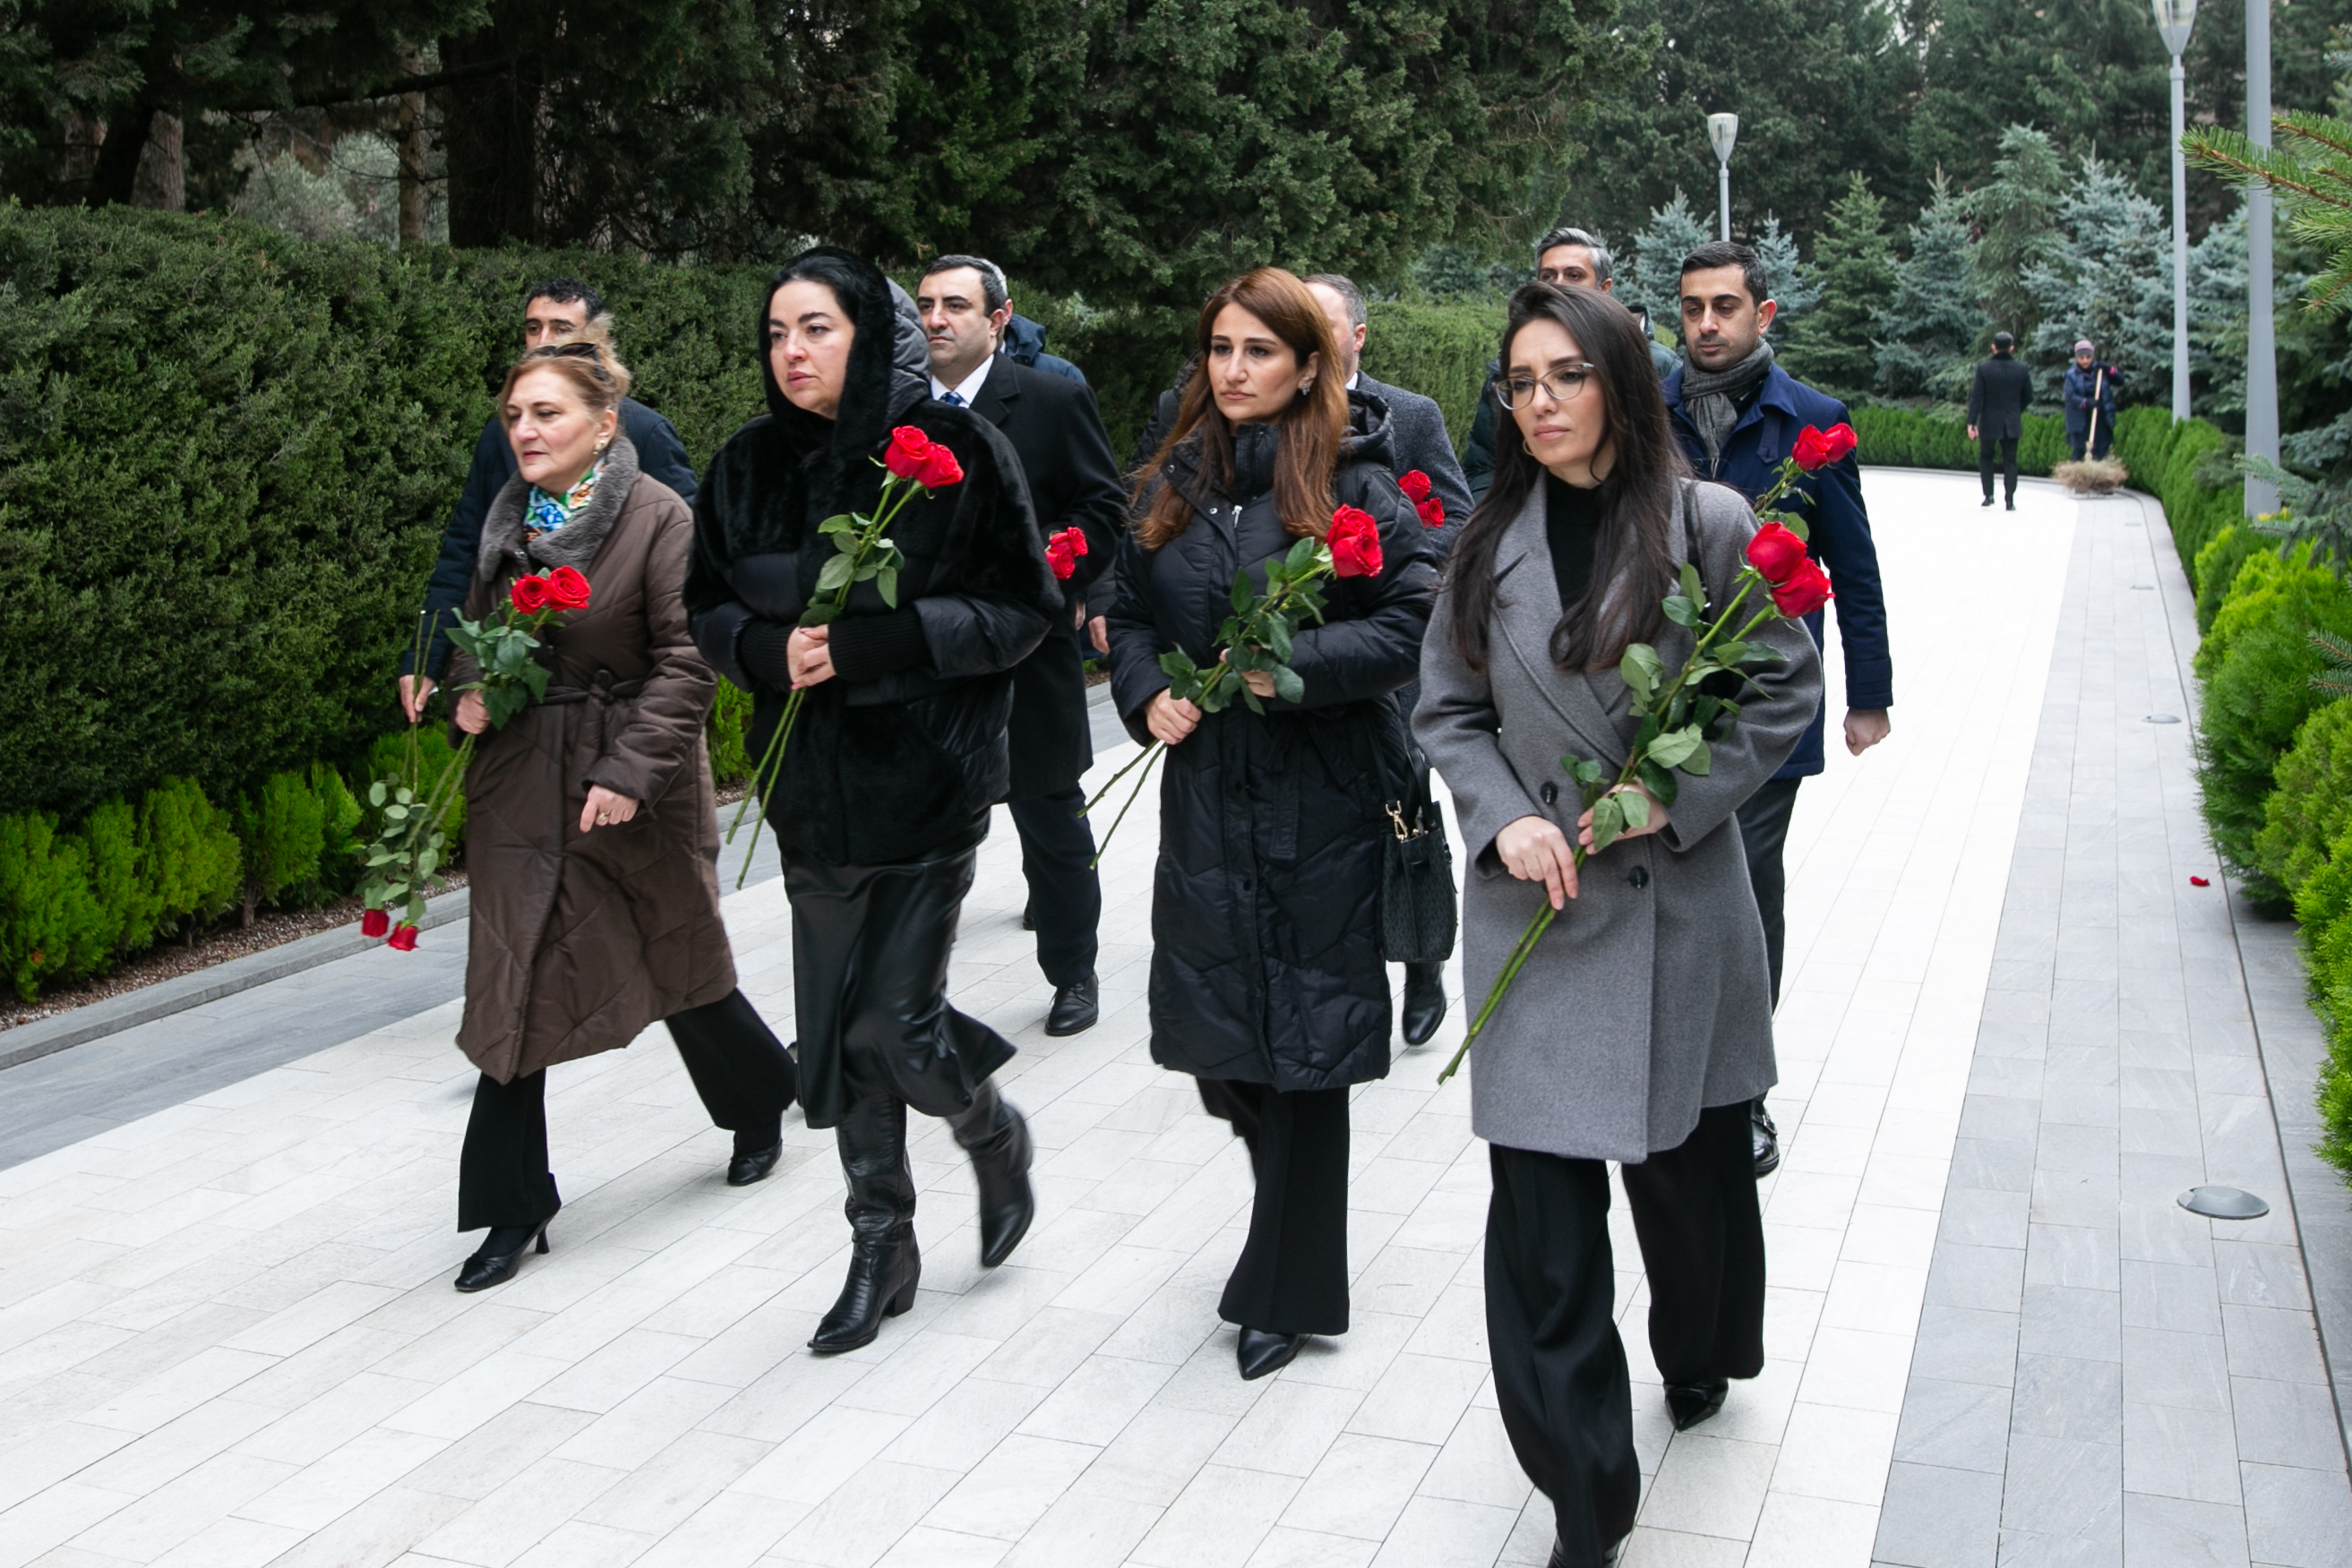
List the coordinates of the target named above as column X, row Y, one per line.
column 226, row 1334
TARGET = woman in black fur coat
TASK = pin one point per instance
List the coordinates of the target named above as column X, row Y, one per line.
column 898, row 752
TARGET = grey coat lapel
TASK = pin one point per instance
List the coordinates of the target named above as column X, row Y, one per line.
column 576, row 543
column 1528, row 608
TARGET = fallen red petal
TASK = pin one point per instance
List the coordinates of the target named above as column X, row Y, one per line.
column 2199, row 882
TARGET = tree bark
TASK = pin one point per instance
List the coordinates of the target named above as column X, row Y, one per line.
column 162, row 182
column 489, row 130
column 411, row 171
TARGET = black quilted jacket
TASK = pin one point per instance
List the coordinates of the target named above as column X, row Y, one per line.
column 1265, row 966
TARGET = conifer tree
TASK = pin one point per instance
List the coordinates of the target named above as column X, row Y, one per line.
column 2016, row 211
column 1835, row 345
column 1673, row 232
column 2111, row 281
column 1929, row 331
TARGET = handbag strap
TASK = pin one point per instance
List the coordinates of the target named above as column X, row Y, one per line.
column 1392, row 800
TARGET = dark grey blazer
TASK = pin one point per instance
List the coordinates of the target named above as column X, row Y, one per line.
column 1417, row 430
column 1648, row 1000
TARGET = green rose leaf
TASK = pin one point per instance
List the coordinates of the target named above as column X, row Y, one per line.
column 1636, row 807
column 885, row 583
column 837, row 573
column 1287, row 685
column 1693, row 589
column 1681, row 611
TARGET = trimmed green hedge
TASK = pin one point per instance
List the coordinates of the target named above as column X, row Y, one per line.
column 1914, row 438
column 1438, row 350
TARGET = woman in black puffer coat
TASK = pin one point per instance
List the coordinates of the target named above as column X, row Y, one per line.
column 1266, row 980
column 898, row 752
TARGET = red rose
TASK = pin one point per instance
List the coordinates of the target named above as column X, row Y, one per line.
column 1415, row 484
column 1062, row 550
column 528, row 594
column 1355, row 542
column 1817, row 449
column 374, row 924
column 908, row 447
column 1432, row 510
column 1775, row 552
column 404, row 940
column 1802, row 591
column 940, row 468
column 566, row 589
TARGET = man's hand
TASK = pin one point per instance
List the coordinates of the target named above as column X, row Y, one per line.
column 808, row 655
column 472, row 715
column 414, row 691
column 1098, row 633
column 1169, row 719
column 1865, row 727
column 1972, row 433
column 1533, row 848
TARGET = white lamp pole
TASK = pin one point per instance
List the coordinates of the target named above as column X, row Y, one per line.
column 2262, row 348
column 1722, row 131
column 2173, row 20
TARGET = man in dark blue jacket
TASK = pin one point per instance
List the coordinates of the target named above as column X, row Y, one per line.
column 1737, row 414
column 558, row 309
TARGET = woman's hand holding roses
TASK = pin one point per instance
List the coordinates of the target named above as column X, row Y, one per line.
column 1533, row 848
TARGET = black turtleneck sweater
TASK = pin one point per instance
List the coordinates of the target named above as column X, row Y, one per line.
column 1573, row 527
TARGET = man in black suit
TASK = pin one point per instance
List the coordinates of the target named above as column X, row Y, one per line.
column 557, row 309
column 1074, row 483
column 1997, row 403
column 1417, row 439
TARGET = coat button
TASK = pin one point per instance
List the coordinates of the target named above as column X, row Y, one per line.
column 1551, row 793
column 1639, row 876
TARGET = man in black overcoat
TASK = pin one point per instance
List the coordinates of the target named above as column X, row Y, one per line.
column 1074, row 482
column 553, row 311
column 1997, row 403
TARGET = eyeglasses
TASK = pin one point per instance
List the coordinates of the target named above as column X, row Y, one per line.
column 1561, row 383
column 575, row 350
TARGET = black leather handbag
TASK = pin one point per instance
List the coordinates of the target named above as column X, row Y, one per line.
column 1417, row 911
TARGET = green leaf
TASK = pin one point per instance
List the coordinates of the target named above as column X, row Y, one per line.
column 1636, row 807
column 1640, row 674
column 376, row 793
column 395, row 813
column 1693, row 589
column 820, row 614
column 1681, row 611
column 1608, row 821
column 1277, row 637
column 1789, row 520
column 1244, row 595
column 1700, row 761
column 1660, row 781
column 1669, row 750
column 840, row 524
column 1584, row 769
column 837, row 573
column 1302, row 554
column 1287, row 685
column 1250, row 697
column 886, row 582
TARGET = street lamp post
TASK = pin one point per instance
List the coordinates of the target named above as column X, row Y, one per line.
column 2173, row 20
column 1722, row 131
column 2262, row 348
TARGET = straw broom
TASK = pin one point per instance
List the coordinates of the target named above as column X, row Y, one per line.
column 2092, row 476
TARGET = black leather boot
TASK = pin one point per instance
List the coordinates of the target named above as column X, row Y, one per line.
column 885, row 1266
column 996, row 1137
column 1764, row 1140
column 1424, row 1001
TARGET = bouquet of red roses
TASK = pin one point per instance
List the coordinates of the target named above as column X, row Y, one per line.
column 914, row 464
column 1256, row 637
column 410, row 842
column 1678, row 715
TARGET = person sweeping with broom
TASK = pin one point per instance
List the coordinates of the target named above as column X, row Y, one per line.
column 2090, row 399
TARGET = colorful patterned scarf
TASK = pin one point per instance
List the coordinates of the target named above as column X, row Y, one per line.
column 548, row 513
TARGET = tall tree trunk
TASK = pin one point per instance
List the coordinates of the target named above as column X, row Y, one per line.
column 489, row 130
column 84, row 132
column 162, row 182
column 411, row 171
column 116, row 175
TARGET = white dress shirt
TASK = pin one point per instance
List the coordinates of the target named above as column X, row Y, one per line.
column 970, row 389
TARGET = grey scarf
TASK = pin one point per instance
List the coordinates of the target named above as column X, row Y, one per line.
column 575, row 544
column 1710, row 398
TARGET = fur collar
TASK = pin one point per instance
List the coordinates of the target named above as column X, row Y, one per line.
column 574, row 545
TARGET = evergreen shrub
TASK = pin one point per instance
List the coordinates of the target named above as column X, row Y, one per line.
column 1918, row 438
column 188, row 852
column 730, row 712
column 130, row 902
column 1441, row 351
column 282, row 830
column 388, row 759
column 50, row 926
column 2311, row 800
column 2217, row 567
column 2265, row 585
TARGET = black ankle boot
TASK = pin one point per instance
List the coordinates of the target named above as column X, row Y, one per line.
column 1000, row 1156
column 883, row 1274
column 1424, row 1001
column 500, row 1254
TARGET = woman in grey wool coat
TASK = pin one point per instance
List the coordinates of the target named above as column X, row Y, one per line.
column 1641, row 1026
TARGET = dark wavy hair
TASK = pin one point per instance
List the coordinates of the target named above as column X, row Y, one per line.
column 1311, row 427
column 1636, row 556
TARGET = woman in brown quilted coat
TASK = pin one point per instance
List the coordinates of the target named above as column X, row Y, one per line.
column 591, row 835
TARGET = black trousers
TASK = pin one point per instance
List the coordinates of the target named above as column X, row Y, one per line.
column 1559, row 1365
column 2004, row 449
column 1292, row 1275
column 738, row 1068
column 1764, row 835
column 1057, row 847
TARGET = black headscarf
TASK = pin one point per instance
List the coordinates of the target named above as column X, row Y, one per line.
column 888, row 372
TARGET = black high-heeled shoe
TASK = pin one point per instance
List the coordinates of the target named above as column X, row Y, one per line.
column 1260, row 1352
column 1691, row 1402
column 501, row 1254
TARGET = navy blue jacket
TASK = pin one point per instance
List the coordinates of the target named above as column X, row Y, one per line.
column 1831, row 504
column 1024, row 343
column 660, row 455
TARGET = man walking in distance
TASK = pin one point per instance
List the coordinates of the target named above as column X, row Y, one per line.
column 553, row 311
column 1736, row 414
column 1573, row 258
column 1074, row 482
column 1417, row 429
column 1996, row 402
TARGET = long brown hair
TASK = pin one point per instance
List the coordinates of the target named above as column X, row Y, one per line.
column 1637, row 555
column 1311, row 428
